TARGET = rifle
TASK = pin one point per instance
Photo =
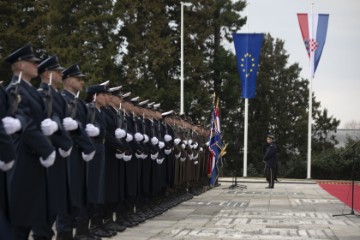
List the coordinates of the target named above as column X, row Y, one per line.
column 92, row 109
column 119, row 118
column 73, row 106
column 14, row 96
column 49, row 98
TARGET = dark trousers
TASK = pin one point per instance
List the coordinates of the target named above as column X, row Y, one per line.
column 270, row 176
column 21, row 233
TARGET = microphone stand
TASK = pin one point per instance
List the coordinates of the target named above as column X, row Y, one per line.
column 234, row 182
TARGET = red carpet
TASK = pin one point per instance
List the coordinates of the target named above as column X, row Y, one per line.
column 342, row 190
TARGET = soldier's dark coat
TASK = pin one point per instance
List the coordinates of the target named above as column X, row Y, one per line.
column 58, row 184
column 28, row 200
column 96, row 167
column 7, row 152
column 82, row 143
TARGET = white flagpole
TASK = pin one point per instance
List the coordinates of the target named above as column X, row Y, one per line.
column 310, row 98
column 246, row 115
column 182, row 61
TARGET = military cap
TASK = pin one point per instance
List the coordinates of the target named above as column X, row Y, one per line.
column 156, row 106
column 168, row 113
column 135, row 100
column 116, row 91
column 150, row 105
column 72, row 71
column 143, row 103
column 270, row 135
column 126, row 96
column 99, row 88
column 51, row 63
column 24, row 53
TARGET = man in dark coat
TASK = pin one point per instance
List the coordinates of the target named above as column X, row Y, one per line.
column 58, row 186
column 28, row 199
column 83, row 149
column 7, row 159
column 270, row 159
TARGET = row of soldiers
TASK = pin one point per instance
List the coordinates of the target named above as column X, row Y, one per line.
column 93, row 167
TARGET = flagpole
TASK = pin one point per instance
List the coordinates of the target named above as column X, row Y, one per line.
column 310, row 101
column 246, row 113
column 246, row 136
column 182, row 61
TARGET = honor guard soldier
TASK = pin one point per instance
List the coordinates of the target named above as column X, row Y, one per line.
column 58, row 185
column 28, row 199
column 96, row 99
column 114, row 151
column 83, row 150
column 7, row 159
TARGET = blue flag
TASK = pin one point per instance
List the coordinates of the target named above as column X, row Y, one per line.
column 248, row 48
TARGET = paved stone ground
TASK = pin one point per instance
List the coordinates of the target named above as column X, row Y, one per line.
column 294, row 210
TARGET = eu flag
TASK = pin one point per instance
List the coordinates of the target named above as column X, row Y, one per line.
column 248, row 48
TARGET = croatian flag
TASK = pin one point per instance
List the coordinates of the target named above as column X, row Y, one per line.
column 313, row 30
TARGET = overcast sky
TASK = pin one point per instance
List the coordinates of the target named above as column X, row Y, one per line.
column 337, row 79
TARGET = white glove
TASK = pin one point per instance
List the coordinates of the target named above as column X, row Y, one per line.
column 138, row 137
column 207, row 143
column 177, row 141
column 49, row 161
column 119, row 155
column 6, row 166
column 146, row 138
column 161, row 144
column 159, row 160
column 196, row 162
column 120, row 133
column 177, row 156
column 154, row 141
column 11, row 125
column 48, row 127
column 138, row 155
column 70, row 124
column 129, row 137
column 167, row 151
column 64, row 153
column 195, row 145
column 167, row 138
column 185, row 142
column 91, row 130
column 201, row 149
column 127, row 157
column 183, row 146
column 88, row 157
column 190, row 141
column 154, row 156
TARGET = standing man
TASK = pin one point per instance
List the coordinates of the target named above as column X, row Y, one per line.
column 28, row 199
column 58, row 186
column 83, row 151
column 270, row 159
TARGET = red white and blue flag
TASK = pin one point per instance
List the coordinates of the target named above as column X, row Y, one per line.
column 313, row 30
column 214, row 145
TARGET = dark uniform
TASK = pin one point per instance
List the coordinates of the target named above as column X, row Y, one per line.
column 83, row 150
column 7, row 155
column 58, row 185
column 270, row 159
column 28, row 198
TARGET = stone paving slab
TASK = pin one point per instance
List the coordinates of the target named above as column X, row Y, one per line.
column 292, row 211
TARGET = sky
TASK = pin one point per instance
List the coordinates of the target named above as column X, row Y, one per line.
column 336, row 84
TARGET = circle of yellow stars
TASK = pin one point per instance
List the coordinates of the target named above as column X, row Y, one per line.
column 252, row 63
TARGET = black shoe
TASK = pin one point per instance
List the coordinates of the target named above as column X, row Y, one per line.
column 276, row 180
column 86, row 237
column 100, row 232
column 64, row 236
column 114, row 227
column 269, row 187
